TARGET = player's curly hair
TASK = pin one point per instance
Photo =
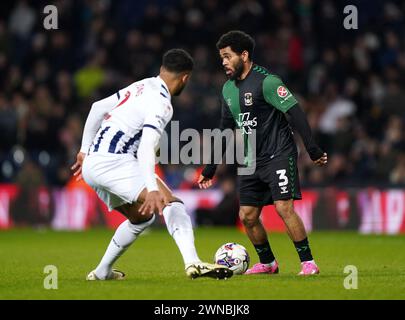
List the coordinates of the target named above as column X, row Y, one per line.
column 177, row 60
column 239, row 41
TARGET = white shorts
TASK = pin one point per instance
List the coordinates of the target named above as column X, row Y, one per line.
column 116, row 178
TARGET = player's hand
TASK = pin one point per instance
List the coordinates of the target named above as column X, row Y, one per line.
column 77, row 167
column 322, row 160
column 204, row 182
column 154, row 201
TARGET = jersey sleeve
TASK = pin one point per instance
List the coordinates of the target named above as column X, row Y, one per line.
column 96, row 115
column 158, row 115
column 146, row 157
column 277, row 94
column 299, row 121
column 227, row 120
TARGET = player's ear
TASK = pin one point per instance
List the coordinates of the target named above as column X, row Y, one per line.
column 185, row 77
column 245, row 55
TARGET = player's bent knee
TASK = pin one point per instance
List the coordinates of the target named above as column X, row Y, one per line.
column 137, row 218
column 248, row 217
column 284, row 208
column 131, row 212
column 249, row 222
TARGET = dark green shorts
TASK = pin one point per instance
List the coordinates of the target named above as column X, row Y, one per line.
column 277, row 180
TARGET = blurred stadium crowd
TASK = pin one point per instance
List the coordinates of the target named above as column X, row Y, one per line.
column 351, row 83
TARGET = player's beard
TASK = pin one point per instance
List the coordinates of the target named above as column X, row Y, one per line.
column 179, row 90
column 238, row 70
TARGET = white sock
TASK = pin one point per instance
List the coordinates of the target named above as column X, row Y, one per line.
column 179, row 225
column 124, row 236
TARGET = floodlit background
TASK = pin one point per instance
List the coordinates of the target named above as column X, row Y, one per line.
column 349, row 82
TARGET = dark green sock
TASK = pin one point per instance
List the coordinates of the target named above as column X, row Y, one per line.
column 303, row 249
column 264, row 252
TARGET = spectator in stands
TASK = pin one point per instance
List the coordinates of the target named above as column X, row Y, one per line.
column 351, row 84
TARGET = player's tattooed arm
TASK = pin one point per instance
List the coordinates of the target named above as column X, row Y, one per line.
column 299, row 121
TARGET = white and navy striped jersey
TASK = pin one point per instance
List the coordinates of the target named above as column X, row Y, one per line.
column 145, row 103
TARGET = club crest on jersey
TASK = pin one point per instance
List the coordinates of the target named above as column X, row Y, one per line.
column 228, row 102
column 248, row 99
column 282, row 92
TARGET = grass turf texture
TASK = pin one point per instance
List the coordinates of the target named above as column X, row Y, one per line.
column 154, row 267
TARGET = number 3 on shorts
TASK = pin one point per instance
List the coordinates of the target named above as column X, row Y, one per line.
column 283, row 178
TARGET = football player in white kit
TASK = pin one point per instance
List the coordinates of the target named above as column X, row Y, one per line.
column 117, row 159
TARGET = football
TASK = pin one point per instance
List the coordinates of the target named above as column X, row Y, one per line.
column 234, row 256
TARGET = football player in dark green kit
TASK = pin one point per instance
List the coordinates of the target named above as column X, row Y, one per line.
column 255, row 99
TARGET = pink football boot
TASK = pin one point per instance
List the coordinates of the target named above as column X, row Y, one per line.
column 308, row 268
column 259, row 268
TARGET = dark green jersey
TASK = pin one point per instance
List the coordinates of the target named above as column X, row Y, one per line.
column 259, row 102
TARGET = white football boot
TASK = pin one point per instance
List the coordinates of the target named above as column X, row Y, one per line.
column 114, row 275
column 203, row 269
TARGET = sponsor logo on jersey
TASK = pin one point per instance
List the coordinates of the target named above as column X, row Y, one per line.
column 245, row 123
column 282, row 91
column 228, row 102
column 248, row 99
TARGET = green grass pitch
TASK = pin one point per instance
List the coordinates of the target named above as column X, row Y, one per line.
column 154, row 267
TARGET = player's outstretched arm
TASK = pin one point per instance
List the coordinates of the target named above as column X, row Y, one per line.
column 299, row 121
column 226, row 122
column 96, row 115
column 77, row 167
column 154, row 200
column 97, row 112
